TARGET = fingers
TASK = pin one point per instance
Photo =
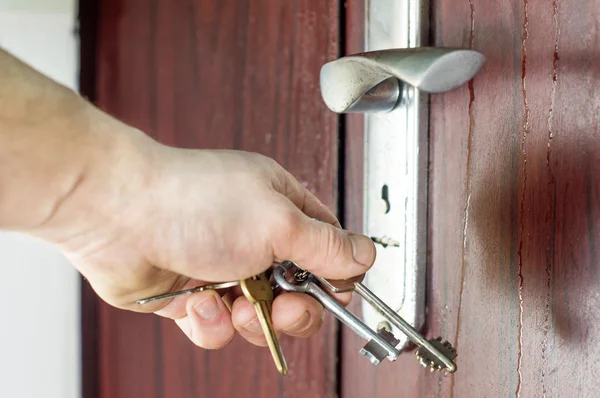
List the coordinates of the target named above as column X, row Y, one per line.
column 208, row 321
column 297, row 314
column 308, row 203
column 343, row 298
column 321, row 248
column 294, row 314
column 245, row 321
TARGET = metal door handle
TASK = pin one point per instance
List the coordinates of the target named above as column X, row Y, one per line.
column 390, row 83
column 371, row 81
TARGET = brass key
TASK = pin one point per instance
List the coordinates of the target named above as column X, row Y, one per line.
column 259, row 292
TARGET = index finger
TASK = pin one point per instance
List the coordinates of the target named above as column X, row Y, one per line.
column 308, row 203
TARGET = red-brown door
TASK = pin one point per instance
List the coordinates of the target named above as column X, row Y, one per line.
column 514, row 200
column 514, row 209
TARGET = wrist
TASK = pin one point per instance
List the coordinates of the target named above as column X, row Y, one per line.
column 61, row 156
column 115, row 169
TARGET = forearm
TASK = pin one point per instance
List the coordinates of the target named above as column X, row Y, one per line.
column 52, row 143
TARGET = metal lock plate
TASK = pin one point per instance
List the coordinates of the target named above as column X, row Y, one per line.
column 395, row 182
column 389, row 83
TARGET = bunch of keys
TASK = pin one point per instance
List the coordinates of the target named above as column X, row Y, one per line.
column 258, row 291
column 381, row 344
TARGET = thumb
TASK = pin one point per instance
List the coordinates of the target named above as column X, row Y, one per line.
column 324, row 250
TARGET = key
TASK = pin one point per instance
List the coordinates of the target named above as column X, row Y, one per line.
column 431, row 353
column 381, row 344
column 259, row 292
column 214, row 286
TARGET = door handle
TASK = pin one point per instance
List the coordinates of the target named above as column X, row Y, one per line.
column 371, row 81
column 390, row 84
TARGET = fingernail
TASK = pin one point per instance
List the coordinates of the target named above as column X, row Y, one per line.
column 207, row 309
column 301, row 323
column 363, row 250
column 253, row 326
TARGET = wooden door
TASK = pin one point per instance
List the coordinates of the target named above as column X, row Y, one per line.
column 514, row 206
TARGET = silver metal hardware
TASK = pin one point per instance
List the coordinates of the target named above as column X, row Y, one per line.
column 374, row 81
column 378, row 346
column 214, row 286
column 389, row 83
column 382, row 343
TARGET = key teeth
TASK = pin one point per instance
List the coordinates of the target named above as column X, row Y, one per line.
column 446, row 344
column 429, row 363
column 449, row 347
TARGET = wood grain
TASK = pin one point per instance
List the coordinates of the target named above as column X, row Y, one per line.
column 219, row 74
column 513, row 276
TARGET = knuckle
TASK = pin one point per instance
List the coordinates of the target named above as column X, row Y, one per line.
column 288, row 226
column 332, row 245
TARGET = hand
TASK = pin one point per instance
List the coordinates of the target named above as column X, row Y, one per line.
column 157, row 219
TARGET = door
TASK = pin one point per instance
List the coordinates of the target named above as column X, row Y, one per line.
column 513, row 209
column 513, row 188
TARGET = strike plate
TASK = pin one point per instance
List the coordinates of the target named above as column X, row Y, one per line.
column 395, row 182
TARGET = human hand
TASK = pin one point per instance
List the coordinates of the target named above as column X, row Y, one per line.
column 150, row 219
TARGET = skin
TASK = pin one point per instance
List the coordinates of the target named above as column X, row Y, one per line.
column 138, row 218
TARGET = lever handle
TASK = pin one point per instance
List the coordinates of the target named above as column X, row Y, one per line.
column 371, row 81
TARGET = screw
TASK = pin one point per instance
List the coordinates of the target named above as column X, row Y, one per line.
column 385, row 241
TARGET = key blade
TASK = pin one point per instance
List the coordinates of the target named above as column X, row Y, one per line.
column 314, row 289
column 259, row 292
column 263, row 310
column 395, row 318
column 432, row 355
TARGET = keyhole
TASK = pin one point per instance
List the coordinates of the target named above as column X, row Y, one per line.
column 385, row 196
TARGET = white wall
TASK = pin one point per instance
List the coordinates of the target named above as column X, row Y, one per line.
column 39, row 290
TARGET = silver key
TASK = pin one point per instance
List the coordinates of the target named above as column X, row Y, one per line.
column 381, row 344
column 214, row 286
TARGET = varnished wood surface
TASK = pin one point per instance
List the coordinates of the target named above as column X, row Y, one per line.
column 219, row 74
column 514, row 209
